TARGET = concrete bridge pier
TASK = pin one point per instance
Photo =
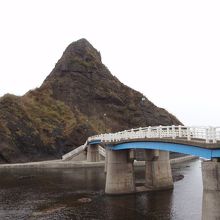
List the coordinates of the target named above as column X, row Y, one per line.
column 158, row 174
column 93, row 153
column 211, row 190
column 120, row 172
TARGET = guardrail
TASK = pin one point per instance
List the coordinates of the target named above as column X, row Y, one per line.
column 206, row 134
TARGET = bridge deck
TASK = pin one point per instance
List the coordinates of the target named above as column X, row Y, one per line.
column 193, row 142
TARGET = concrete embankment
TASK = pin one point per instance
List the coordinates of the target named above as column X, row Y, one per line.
column 182, row 159
column 52, row 164
column 172, row 161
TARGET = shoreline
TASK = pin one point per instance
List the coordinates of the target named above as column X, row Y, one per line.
column 55, row 164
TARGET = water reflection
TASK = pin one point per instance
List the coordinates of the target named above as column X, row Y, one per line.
column 79, row 194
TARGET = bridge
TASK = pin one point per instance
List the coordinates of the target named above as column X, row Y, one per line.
column 119, row 150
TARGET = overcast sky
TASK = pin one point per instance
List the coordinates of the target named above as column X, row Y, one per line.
column 167, row 50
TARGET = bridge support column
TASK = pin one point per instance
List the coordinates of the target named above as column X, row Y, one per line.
column 93, row 153
column 120, row 172
column 211, row 190
column 158, row 174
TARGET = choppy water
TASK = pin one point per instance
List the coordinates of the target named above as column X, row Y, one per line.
column 79, row 194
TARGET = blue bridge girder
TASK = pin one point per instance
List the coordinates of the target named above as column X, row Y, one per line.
column 165, row 146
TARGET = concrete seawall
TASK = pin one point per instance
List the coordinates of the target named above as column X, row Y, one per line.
column 55, row 164
column 182, row 159
column 172, row 161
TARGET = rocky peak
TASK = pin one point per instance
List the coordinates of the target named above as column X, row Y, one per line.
column 82, row 82
column 79, row 98
column 83, row 48
column 79, row 56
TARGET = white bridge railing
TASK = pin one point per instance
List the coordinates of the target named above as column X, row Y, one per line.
column 204, row 134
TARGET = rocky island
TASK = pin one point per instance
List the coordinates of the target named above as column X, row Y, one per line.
column 79, row 98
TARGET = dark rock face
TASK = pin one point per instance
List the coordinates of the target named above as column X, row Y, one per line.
column 79, row 98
